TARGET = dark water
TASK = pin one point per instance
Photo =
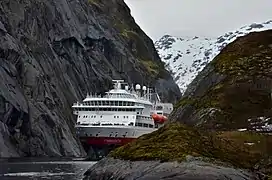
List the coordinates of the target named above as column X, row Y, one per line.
column 37, row 169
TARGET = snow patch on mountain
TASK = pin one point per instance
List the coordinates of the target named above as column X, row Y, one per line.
column 185, row 57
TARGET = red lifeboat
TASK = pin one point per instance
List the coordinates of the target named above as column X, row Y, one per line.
column 159, row 118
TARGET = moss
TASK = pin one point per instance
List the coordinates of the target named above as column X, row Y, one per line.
column 94, row 2
column 184, row 101
column 246, row 56
column 175, row 141
column 245, row 92
column 123, row 28
column 151, row 67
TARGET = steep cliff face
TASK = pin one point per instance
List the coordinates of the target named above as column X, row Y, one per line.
column 234, row 90
column 51, row 54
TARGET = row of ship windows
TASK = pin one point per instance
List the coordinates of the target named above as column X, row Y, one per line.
column 102, row 116
column 106, row 109
column 125, row 117
column 117, row 124
column 108, row 103
column 144, row 125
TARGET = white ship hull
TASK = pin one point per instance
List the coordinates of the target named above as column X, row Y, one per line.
column 100, row 135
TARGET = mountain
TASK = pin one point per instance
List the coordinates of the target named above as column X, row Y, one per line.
column 231, row 94
column 187, row 56
column 54, row 52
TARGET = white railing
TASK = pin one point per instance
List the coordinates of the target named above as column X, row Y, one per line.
column 93, row 96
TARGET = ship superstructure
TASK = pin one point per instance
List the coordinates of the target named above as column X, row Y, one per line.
column 118, row 117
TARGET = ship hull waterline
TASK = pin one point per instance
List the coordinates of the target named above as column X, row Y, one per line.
column 110, row 135
column 100, row 141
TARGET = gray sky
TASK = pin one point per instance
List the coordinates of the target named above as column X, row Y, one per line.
column 209, row 18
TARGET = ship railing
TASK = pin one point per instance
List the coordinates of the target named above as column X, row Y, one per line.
column 143, row 98
column 93, row 96
column 110, row 96
column 78, row 104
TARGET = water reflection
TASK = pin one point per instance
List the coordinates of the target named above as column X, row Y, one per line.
column 26, row 169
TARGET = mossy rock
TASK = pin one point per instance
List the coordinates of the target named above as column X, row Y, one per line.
column 174, row 142
column 94, row 2
column 245, row 90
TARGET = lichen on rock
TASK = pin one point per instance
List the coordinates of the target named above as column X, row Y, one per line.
column 177, row 151
column 237, row 83
column 175, row 142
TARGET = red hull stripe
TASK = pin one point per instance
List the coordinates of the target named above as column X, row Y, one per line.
column 106, row 140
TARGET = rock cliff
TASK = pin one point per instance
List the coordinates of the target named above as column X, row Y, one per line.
column 51, row 54
column 233, row 91
column 216, row 122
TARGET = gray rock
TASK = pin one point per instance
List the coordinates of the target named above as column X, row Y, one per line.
column 51, row 54
column 194, row 169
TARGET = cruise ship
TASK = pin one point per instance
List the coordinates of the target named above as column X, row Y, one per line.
column 123, row 114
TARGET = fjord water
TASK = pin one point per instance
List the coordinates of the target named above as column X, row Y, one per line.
column 33, row 168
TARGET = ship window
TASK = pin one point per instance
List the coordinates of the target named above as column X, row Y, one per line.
column 127, row 116
column 114, row 116
column 107, row 103
column 117, row 116
column 94, row 116
column 116, row 103
column 111, row 103
column 151, row 125
column 145, row 125
column 100, row 116
column 159, row 108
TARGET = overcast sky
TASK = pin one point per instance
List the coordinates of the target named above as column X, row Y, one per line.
column 209, row 18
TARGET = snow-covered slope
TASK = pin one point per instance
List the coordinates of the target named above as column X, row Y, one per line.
column 186, row 56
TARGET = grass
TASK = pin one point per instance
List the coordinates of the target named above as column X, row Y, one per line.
column 175, row 141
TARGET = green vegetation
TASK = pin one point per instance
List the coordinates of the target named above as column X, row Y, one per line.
column 139, row 48
column 247, row 56
column 94, row 2
column 245, row 92
column 128, row 33
column 123, row 28
column 175, row 141
column 151, row 67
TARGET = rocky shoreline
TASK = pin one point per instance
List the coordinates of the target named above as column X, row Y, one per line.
column 191, row 168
